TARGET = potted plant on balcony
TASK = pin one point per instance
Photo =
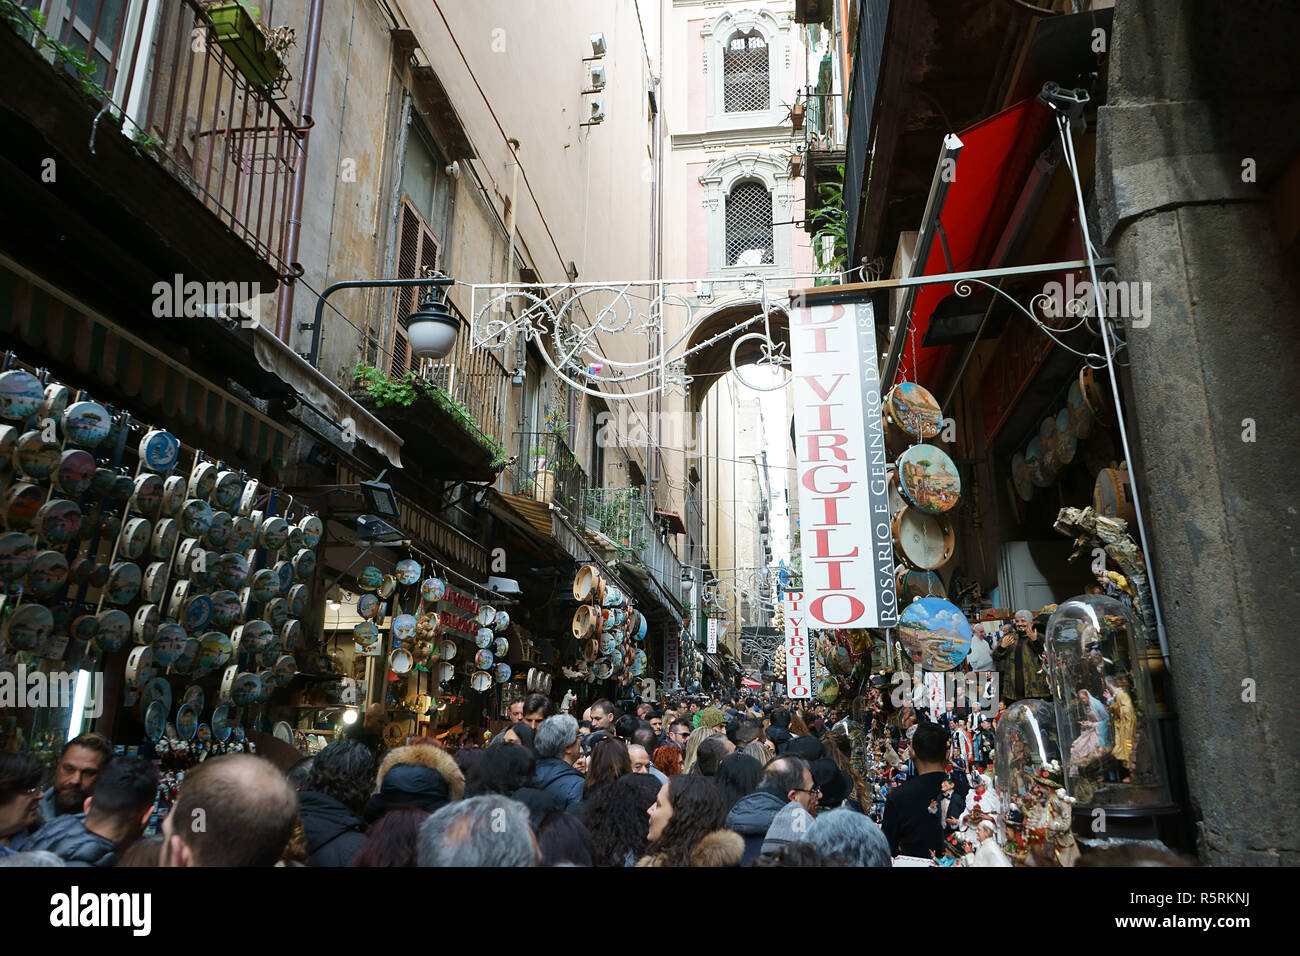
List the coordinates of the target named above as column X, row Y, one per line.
column 255, row 50
column 543, row 475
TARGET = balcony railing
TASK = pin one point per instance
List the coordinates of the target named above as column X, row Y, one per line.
column 476, row 379
column 819, row 123
column 547, row 471
column 157, row 70
column 620, row 515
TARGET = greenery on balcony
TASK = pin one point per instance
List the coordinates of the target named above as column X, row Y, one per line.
column 619, row 514
column 30, row 25
column 832, row 223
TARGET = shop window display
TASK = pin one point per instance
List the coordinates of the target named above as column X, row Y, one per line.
column 1102, row 703
column 1037, row 813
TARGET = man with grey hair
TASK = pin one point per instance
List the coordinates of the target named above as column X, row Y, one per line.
column 482, row 831
column 558, row 748
column 852, row 836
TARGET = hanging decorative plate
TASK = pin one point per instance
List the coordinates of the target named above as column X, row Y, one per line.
column 1096, row 395
column 124, row 580
column 232, row 570
column 368, row 606
column 501, row 673
column 195, row 518
column 298, row 597
column 400, row 660
column 935, row 633
column 247, row 498
column 1081, row 419
column 276, row 612
column 226, row 609
column 285, row 669
column 365, row 633
column 1039, row 473
column 165, row 533
column 500, row 646
column 187, row 722
column 28, row 626
column 265, row 585
column 929, row 479
column 483, row 638
column 258, row 637
column 86, row 424
column 404, row 627
column 159, row 450
column 155, row 720
column 198, row 612
column 433, row 589
column 247, row 689
column 173, row 495
column 220, row 531
column 55, row 401
column 140, row 667
column 602, row 668
column 48, row 572
column 83, row 627
column 35, row 457
column 273, row 534
column 134, row 539
column 242, row 535
column 215, row 650
column 1066, row 442
column 448, row 650
column 304, row 564
column 919, row 584
column 112, row 630
column 122, row 490
column 202, row 480
column 408, row 572
column 387, row 586
column 295, row 543
column 284, row 571
column 267, row 676
column 486, row 615
column 168, row 643
column 21, row 394
column 914, row 410
column 1047, row 441
column 153, row 590
column 312, row 529
column 59, row 522
column 925, row 542
column 1020, row 477
column 370, row 579
column 480, row 681
column 75, row 473
column 146, row 624
column 501, row 621
column 21, row 502
column 290, row 633
column 157, row 691
column 226, row 489
column 193, row 697
column 8, row 435
column 223, row 722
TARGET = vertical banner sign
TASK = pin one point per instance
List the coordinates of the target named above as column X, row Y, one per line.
column 848, row 552
column 713, row 635
column 670, row 658
column 934, row 692
column 798, row 679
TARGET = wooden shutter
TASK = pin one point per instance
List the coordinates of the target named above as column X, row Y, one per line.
column 417, row 250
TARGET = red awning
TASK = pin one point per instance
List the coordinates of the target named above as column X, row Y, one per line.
column 995, row 158
column 750, row 683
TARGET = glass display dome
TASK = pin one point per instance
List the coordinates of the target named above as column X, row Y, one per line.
column 1103, row 705
column 1035, row 816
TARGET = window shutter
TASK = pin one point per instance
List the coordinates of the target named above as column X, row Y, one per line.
column 417, row 250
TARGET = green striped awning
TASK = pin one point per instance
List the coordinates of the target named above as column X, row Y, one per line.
column 54, row 325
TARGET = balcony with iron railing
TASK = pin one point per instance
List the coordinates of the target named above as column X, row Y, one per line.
column 546, row 470
column 198, row 87
column 620, row 516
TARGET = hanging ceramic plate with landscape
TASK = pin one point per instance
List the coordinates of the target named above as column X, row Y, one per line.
column 500, row 646
column 501, row 672
column 370, row 579
column 290, row 633
column 155, row 720
column 215, row 650
column 1020, row 477
column 35, row 457
column 220, row 531
column 232, row 570
column 21, row 394
column 187, row 722
column 17, row 552
column 273, row 534
column 408, row 572
column 75, row 473
column 28, row 626
column 935, row 633
column 223, row 722
column 304, row 564
column 1066, row 442
column 112, row 630
column 157, row 690
column 86, row 424
column 501, row 621
column 202, row 480
column 1039, row 473
column 284, row 571
column 258, row 637
column 285, row 669
column 225, row 493
column 247, row 689
column 365, row 633
column 242, row 535
column 483, row 638
column 196, row 517
column 48, row 572
column 198, row 613
column 60, row 522
column 403, row 627
column 173, row 495
column 55, row 401
column 21, row 502
column 168, row 643
column 265, row 585
column 159, row 450
column 298, row 597
column 433, row 589
column 929, row 479
column 367, row 606
column 914, row 410
column 226, row 609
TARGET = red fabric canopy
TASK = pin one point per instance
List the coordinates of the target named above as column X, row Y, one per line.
column 995, row 158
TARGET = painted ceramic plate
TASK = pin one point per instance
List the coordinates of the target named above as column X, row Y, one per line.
column 122, row 490
column 258, row 637
column 403, row 627
column 124, row 580
column 60, row 522
column 368, row 606
column 501, row 621
column 173, row 495
column 273, row 534
column 147, row 494
column 187, row 722
column 500, row 646
column 914, row 410
column 165, row 534
column 55, row 401
column 21, row 394
column 222, row 722
column 157, row 691
column 285, row 669
column 483, row 638
column 242, row 535
column 215, row 650
column 919, row 584
column 198, row 613
column 168, row 643
column 370, row 579
column 21, row 502
column 48, row 572
column 484, row 659
column 298, row 597
column 929, row 479
column 276, row 612
column 1020, row 477
column 265, row 585
column 84, row 627
column 448, row 650
column 86, row 424
column 408, row 572
column 1040, row 473
column 35, row 457
column 365, row 633
column 202, row 480
column 225, row 493
column 193, row 697
column 159, row 450
column 290, row 633
column 17, row 552
column 284, row 571
column 935, row 633
column 155, row 720
column 196, row 517
column 433, row 589
column 28, row 626
column 304, row 564
column 247, row 689
column 267, row 676
column 312, row 529
column 501, row 673
column 219, row 532
column 134, row 539
column 75, row 473
column 226, row 609
column 296, row 538
column 232, row 570
column 112, row 630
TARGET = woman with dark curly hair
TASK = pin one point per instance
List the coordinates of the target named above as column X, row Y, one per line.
column 616, row 818
column 392, row 841
column 686, row 826
column 20, row 800
column 341, row 781
column 609, row 760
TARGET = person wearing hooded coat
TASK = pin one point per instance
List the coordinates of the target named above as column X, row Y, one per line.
column 420, row 776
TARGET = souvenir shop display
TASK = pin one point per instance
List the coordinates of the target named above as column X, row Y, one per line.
column 1036, row 810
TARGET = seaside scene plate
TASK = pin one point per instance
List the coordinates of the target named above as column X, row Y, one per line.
column 929, row 479
column 935, row 633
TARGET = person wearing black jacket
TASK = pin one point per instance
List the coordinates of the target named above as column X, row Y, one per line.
column 911, row 822
column 420, row 775
column 341, row 781
column 115, row 816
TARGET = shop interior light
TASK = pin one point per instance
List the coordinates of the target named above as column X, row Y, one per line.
column 350, row 716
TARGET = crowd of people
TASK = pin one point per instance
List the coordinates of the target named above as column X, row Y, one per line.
column 735, row 781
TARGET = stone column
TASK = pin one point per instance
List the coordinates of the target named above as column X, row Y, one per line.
column 1201, row 128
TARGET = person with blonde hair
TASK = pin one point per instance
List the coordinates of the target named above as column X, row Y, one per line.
column 697, row 737
column 759, row 752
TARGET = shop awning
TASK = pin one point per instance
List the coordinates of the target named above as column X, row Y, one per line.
column 535, row 519
column 995, row 157
column 650, row 591
column 712, row 663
